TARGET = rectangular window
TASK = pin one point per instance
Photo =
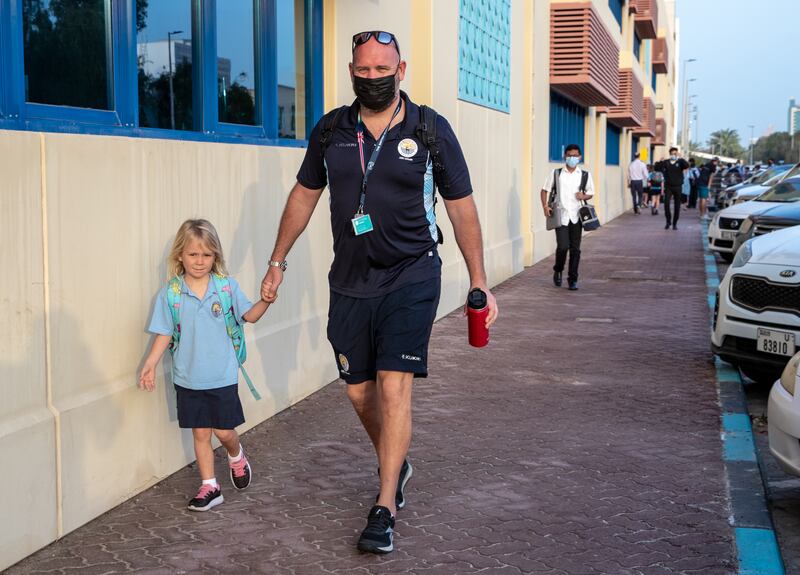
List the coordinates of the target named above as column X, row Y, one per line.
column 613, row 136
column 67, row 53
column 567, row 125
column 653, row 79
column 616, row 9
column 164, row 63
column 291, row 69
column 205, row 70
column 637, row 45
column 634, row 147
column 236, row 62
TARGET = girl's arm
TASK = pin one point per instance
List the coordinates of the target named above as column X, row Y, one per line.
column 147, row 378
column 254, row 313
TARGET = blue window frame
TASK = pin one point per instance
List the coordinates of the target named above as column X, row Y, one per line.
column 616, row 9
column 637, row 45
column 653, row 79
column 122, row 114
column 634, row 147
column 613, row 136
column 567, row 125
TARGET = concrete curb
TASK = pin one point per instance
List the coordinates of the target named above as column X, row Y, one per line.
column 757, row 547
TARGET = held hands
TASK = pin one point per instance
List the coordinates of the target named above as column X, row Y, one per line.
column 269, row 285
column 548, row 211
column 491, row 303
column 147, row 378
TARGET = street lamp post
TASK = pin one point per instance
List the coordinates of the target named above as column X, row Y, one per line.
column 751, row 126
column 685, row 113
column 171, row 91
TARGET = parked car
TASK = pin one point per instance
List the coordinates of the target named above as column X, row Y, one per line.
column 756, row 322
column 777, row 217
column 783, row 415
column 752, row 192
column 727, row 224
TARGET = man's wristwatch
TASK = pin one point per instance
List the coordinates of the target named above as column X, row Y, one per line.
column 281, row 265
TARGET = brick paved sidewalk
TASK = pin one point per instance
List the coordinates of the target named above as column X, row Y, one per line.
column 584, row 439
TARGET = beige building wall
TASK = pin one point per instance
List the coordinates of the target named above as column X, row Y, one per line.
column 87, row 222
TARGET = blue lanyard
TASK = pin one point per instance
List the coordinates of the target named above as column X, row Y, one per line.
column 367, row 170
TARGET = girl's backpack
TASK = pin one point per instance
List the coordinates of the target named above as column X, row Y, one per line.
column 235, row 330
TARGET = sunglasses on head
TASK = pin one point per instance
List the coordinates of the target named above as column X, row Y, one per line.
column 381, row 37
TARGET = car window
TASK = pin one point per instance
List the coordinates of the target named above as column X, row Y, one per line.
column 787, row 191
column 770, row 173
column 794, row 171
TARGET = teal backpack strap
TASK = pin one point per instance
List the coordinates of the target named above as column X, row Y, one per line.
column 174, row 302
column 235, row 330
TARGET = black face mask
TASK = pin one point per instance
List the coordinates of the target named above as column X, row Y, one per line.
column 375, row 93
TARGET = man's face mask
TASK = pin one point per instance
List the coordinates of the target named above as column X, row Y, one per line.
column 573, row 161
column 375, row 93
column 673, row 158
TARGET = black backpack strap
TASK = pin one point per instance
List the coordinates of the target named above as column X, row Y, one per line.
column 426, row 132
column 554, row 188
column 584, row 181
column 329, row 123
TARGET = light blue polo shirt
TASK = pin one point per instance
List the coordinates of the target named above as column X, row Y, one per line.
column 205, row 358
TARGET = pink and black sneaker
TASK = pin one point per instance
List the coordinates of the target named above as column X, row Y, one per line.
column 208, row 497
column 240, row 473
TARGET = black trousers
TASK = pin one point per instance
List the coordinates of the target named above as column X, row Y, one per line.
column 637, row 192
column 675, row 193
column 693, row 196
column 568, row 239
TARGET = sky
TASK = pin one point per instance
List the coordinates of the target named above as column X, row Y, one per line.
column 746, row 70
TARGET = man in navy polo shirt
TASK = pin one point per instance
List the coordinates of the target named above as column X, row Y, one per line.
column 386, row 272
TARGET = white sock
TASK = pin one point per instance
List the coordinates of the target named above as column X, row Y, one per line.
column 212, row 482
column 238, row 457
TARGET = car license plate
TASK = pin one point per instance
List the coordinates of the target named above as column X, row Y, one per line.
column 728, row 235
column 777, row 342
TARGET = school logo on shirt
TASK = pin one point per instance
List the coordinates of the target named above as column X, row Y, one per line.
column 216, row 309
column 343, row 363
column 407, row 148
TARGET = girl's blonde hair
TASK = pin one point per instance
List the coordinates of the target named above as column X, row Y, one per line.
column 200, row 230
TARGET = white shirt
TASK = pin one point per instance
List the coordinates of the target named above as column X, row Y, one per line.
column 637, row 170
column 568, row 186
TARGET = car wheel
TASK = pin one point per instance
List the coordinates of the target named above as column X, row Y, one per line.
column 726, row 257
column 760, row 374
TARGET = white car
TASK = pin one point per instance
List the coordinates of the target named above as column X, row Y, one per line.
column 750, row 192
column 756, row 324
column 783, row 415
column 726, row 223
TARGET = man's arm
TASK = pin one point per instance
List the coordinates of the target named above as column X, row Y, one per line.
column 296, row 214
column 547, row 209
column 467, row 228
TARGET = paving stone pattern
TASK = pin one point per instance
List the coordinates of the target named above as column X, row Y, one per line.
column 565, row 446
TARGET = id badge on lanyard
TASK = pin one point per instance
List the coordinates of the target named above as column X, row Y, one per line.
column 362, row 222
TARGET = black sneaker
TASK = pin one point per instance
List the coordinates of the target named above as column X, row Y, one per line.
column 377, row 535
column 206, row 498
column 406, row 471
column 240, row 473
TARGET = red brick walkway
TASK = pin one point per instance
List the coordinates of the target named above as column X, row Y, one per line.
column 584, row 439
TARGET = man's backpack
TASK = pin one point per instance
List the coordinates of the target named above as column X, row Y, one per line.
column 425, row 132
column 235, row 331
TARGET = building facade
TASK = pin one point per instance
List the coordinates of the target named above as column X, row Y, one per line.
column 166, row 110
column 793, row 125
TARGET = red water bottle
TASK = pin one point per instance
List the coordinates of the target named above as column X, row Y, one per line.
column 477, row 310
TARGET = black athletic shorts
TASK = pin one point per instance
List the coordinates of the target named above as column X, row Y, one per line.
column 386, row 333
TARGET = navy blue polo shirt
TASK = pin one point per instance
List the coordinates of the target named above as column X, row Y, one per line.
column 401, row 249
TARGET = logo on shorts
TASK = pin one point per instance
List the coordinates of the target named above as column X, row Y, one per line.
column 411, row 357
column 216, row 309
column 343, row 363
column 407, row 148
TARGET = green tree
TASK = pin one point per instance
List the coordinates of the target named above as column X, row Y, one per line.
column 726, row 143
column 778, row 147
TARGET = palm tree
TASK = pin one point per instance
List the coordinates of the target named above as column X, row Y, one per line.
column 726, row 143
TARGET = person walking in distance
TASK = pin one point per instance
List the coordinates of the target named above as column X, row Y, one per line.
column 673, row 169
column 573, row 185
column 637, row 180
column 656, row 179
column 386, row 273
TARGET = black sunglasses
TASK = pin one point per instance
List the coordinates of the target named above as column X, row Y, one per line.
column 382, row 38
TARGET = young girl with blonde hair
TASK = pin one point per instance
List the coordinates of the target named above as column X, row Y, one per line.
column 191, row 322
